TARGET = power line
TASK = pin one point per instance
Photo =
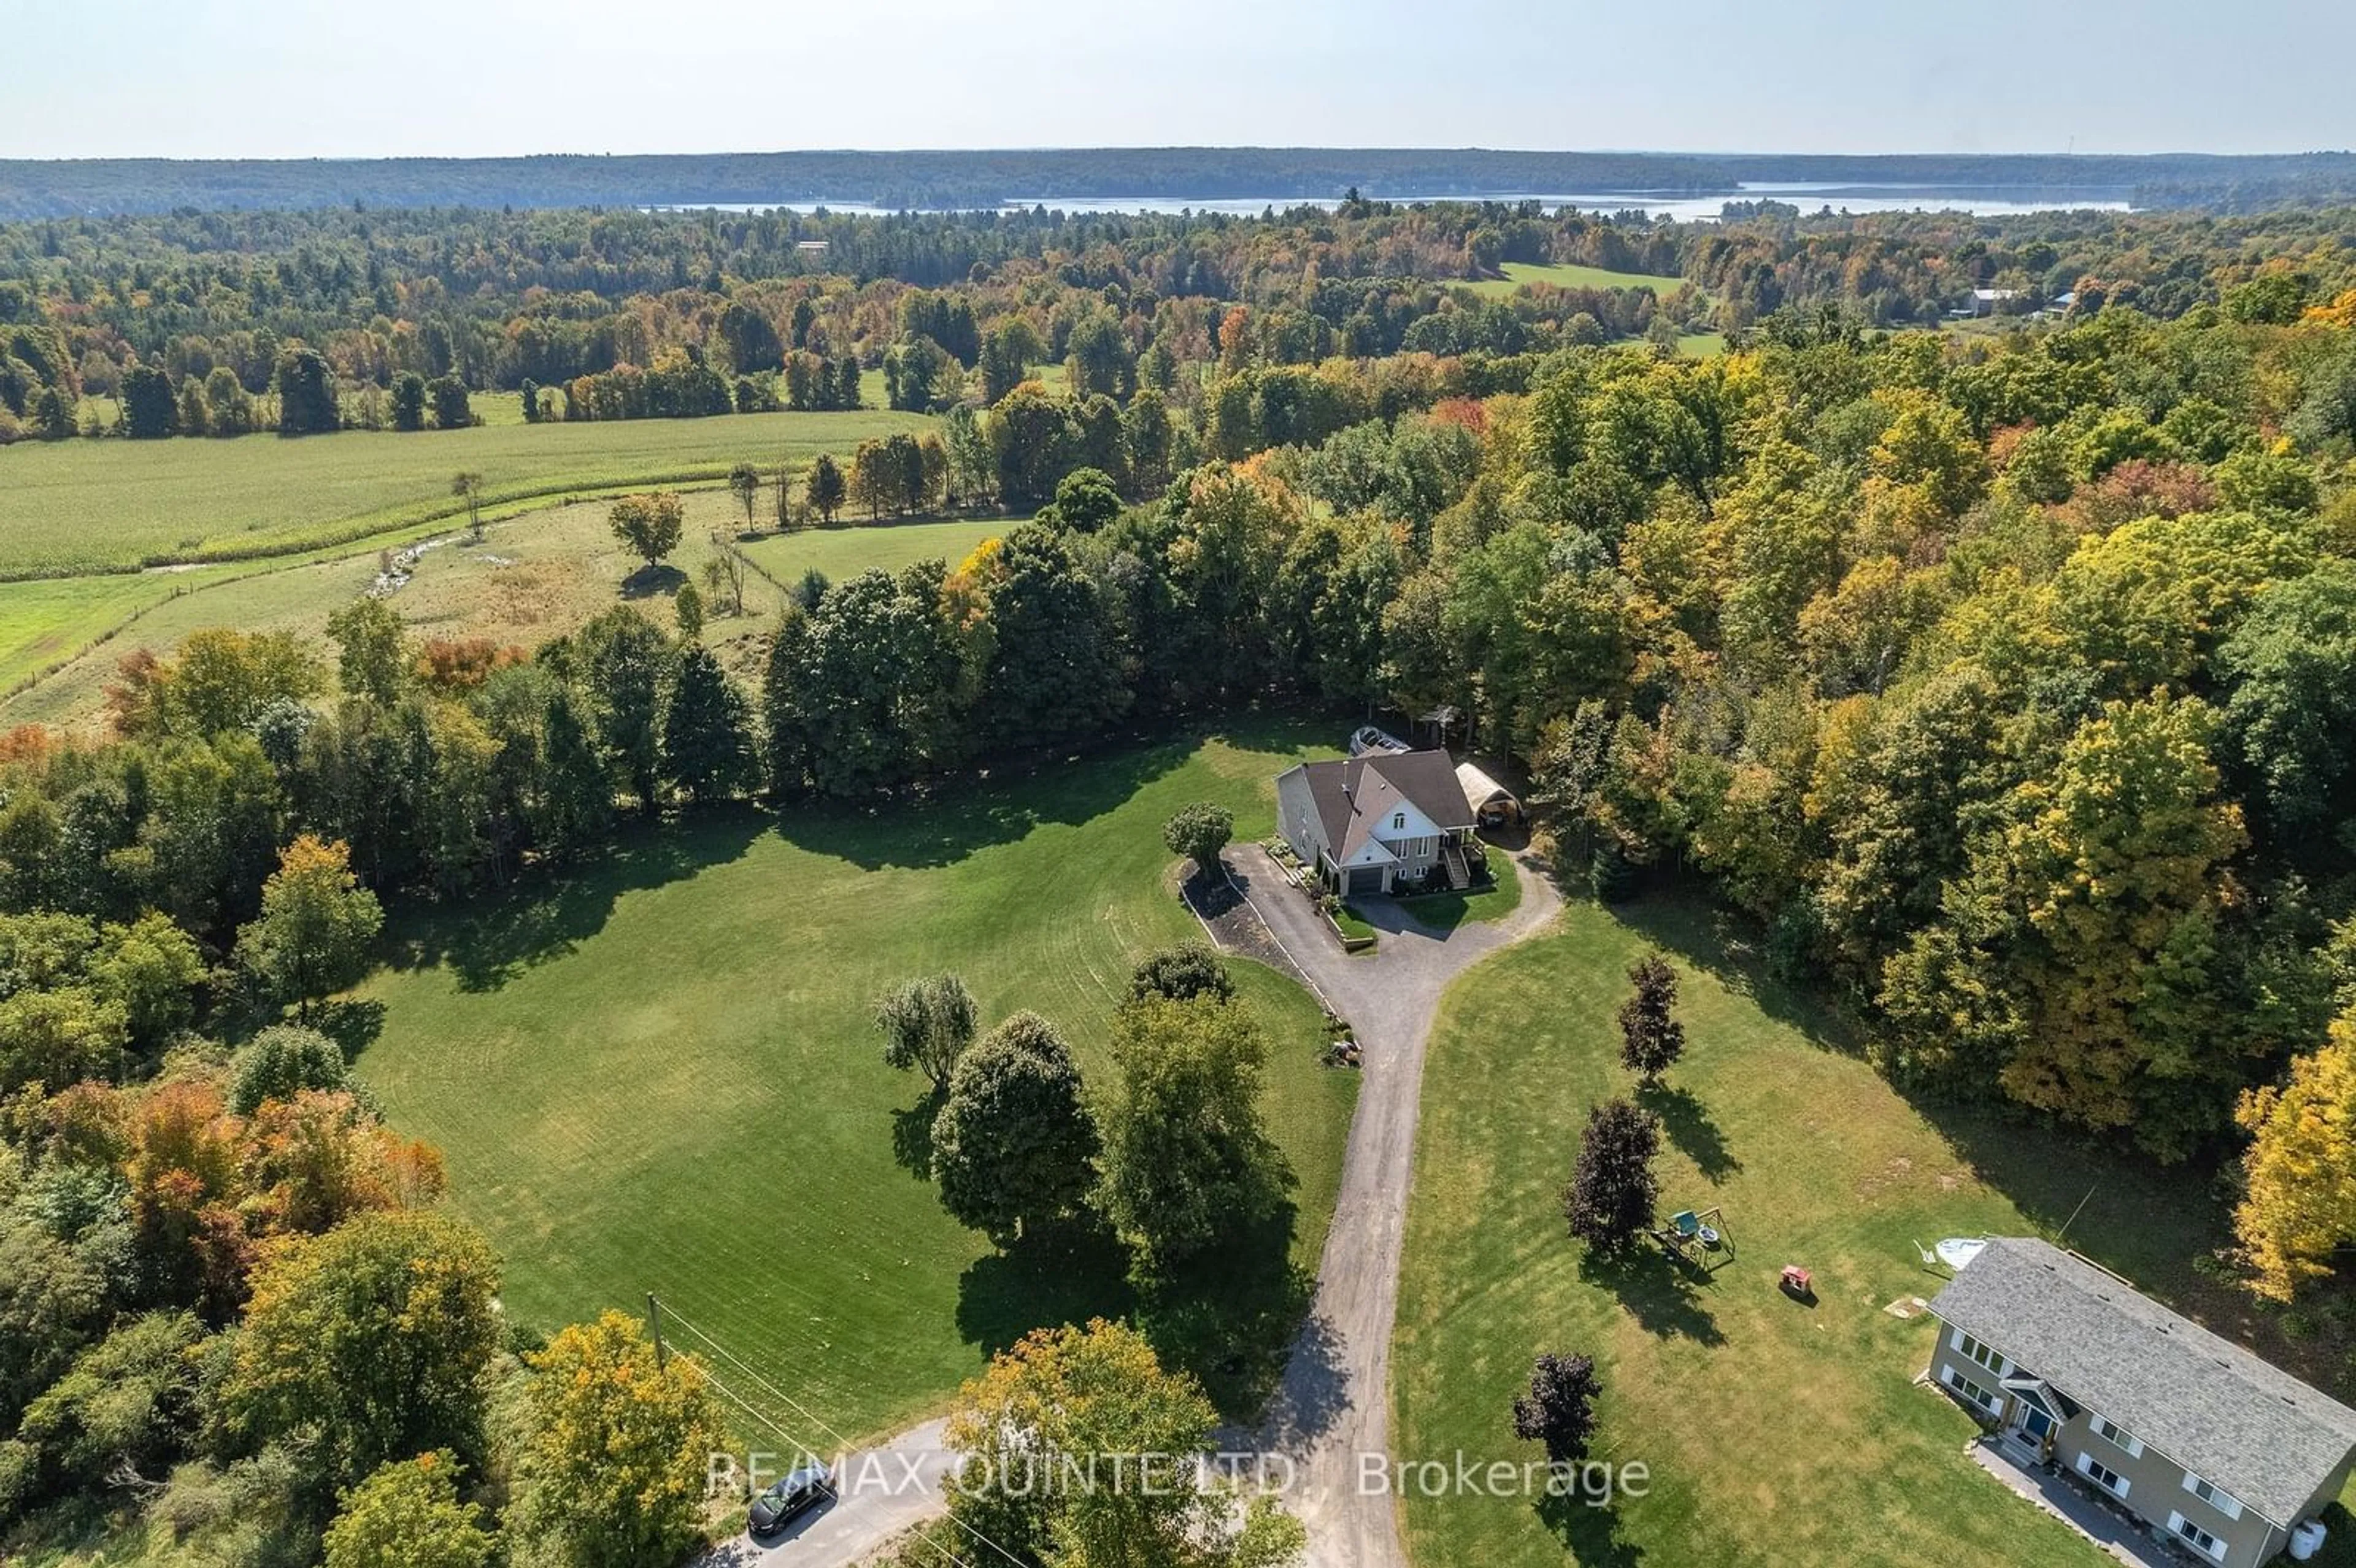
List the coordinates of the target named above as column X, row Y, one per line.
column 842, row 1441
column 760, row 1415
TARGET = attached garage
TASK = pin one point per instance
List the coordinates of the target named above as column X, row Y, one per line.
column 1363, row 879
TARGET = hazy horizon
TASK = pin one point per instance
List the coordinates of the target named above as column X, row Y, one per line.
column 200, row 79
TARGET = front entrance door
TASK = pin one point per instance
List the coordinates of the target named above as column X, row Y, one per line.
column 2031, row 1426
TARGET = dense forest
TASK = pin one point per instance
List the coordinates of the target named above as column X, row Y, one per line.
column 941, row 180
column 198, row 322
column 2002, row 682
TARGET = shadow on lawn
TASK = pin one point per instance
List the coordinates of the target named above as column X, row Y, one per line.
column 1690, row 1126
column 911, row 1135
column 1660, row 1293
column 1728, row 947
column 489, row 941
column 1591, row 1531
column 1227, row 1320
column 945, row 820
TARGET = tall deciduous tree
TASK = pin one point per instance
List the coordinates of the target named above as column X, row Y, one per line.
column 1559, row 1408
column 2299, row 1207
column 926, row 1024
column 373, row 1340
column 614, row 1456
column 1014, row 1145
column 1187, row 1159
column 1089, row 1394
column 1650, row 1039
column 623, row 659
column 1199, row 832
column 1614, row 1190
column 373, row 645
column 707, row 736
column 649, row 526
column 316, row 922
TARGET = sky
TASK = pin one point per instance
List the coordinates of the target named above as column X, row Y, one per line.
column 453, row 77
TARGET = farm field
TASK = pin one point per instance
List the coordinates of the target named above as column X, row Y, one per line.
column 659, row 1074
column 89, row 505
column 532, row 577
column 1570, row 275
column 1773, row 1432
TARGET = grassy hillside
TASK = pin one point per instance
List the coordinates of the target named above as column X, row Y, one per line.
column 660, row 1073
column 1775, row 1432
column 532, row 577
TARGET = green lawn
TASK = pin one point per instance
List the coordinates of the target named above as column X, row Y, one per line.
column 659, row 1072
column 1570, row 275
column 1449, row 910
column 1775, row 1432
column 84, row 505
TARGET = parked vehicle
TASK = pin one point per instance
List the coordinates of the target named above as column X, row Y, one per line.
column 792, row 1497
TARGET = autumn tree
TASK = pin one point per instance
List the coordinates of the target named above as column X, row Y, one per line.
column 926, row 1024
column 373, row 649
column 408, row 1515
column 316, row 922
column 648, row 526
column 1650, row 1039
column 1614, row 1190
column 615, row 1452
column 1084, row 1396
column 374, row 1341
column 467, row 486
column 2298, row 1205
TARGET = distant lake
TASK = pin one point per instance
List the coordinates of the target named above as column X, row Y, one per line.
column 1981, row 201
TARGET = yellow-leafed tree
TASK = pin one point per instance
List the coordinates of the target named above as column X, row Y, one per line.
column 2301, row 1203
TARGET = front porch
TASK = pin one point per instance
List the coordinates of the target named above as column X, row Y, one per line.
column 2108, row 1526
column 1450, row 868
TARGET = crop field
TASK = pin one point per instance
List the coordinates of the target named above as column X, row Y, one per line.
column 1815, row 1160
column 94, row 505
column 1570, row 275
column 659, row 1073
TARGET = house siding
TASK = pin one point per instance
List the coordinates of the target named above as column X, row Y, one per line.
column 2155, row 1483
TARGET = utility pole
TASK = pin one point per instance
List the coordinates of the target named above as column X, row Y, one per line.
column 654, row 1319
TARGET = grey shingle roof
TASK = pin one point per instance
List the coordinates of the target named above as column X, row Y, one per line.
column 2204, row 1401
column 1353, row 794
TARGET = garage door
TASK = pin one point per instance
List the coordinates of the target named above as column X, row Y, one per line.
column 1365, row 879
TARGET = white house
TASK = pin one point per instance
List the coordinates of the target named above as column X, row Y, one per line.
column 1377, row 823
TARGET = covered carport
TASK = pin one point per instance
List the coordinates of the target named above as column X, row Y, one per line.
column 1493, row 805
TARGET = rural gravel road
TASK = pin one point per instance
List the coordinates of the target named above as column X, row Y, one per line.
column 1334, row 1402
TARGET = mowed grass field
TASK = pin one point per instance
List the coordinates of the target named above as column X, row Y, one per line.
column 86, row 506
column 1774, row 1433
column 659, row 1072
column 1570, row 275
column 534, row 576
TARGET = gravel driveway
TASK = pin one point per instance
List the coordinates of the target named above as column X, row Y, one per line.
column 1334, row 1402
